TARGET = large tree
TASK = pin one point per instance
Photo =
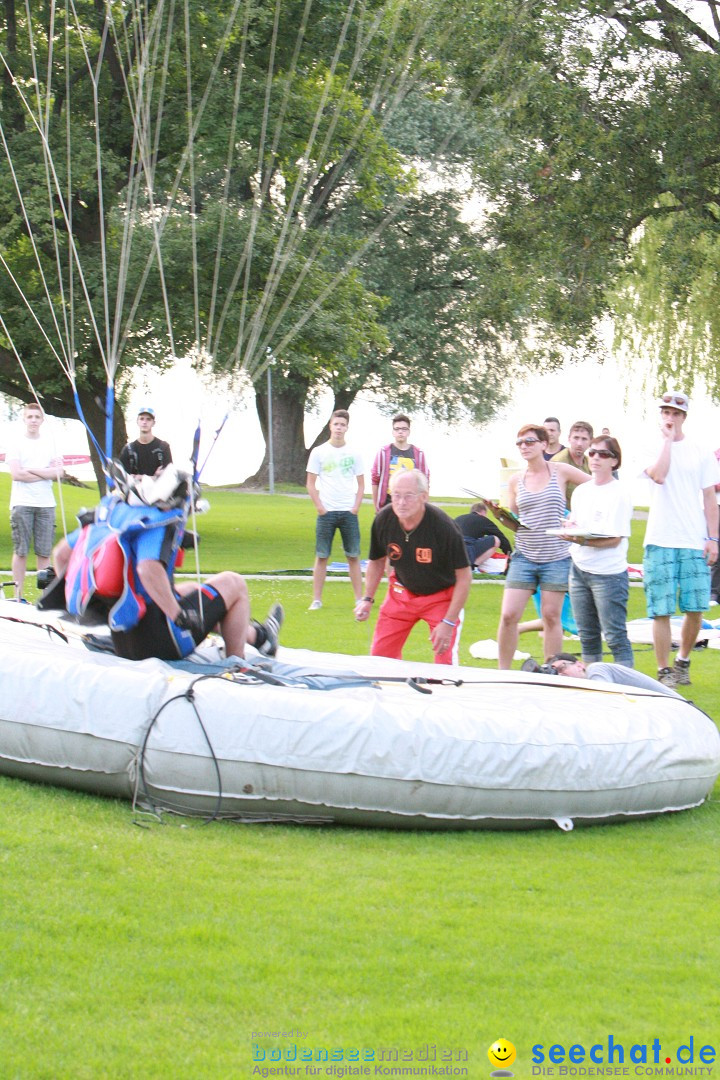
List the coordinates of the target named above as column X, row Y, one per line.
column 253, row 184
column 141, row 213
column 603, row 169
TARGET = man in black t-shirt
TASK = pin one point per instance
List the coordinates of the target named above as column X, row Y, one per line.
column 146, row 454
column 429, row 579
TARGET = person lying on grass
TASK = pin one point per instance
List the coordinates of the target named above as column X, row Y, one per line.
column 571, row 666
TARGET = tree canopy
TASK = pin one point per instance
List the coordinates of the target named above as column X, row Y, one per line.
column 604, row 174
column 246, row 185
column 288, row 183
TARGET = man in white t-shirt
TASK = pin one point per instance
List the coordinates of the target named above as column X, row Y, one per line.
column 33, row 467
column 681, row 538
column 336, row 484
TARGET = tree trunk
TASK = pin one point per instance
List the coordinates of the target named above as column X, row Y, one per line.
column 288, row 437
column 288, row 416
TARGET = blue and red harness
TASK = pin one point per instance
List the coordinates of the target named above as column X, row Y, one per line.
column 104, row 556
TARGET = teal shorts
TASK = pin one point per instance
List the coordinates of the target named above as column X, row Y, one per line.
column 675, row 578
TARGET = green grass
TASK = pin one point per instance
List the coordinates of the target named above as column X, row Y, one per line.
column 157, row 951
column 249, row 533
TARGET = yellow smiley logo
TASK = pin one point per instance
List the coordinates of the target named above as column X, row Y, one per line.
column 502, row 1054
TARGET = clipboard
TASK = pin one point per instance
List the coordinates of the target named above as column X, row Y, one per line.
column 502, row 511
column 583, row 533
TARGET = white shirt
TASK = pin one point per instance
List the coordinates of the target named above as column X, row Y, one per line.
column 605, row 509
column 677, row 518
column 31, row 454
column 337, row 469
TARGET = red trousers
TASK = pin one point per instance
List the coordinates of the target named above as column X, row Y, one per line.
column 401, row 610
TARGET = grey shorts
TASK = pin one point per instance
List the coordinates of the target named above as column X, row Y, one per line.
column 36, row 523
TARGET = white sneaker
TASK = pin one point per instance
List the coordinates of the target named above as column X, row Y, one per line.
column 315, row 606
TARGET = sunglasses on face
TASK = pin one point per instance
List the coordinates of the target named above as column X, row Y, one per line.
column 601, row 453
column 675, row 399
column 526, row 442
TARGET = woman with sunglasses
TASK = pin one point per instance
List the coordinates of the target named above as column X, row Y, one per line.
column 599, row 528
column 537, row 500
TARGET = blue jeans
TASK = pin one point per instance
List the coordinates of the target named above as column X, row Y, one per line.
column 599, row 603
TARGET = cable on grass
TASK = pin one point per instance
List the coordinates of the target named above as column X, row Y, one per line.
column 141, row 784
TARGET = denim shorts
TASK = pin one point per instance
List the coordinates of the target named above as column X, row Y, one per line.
column 529, row 575
column 675, row 576
column 479, row 546
column 349, row 527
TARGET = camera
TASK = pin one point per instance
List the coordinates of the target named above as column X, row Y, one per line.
column 535, row 668
column 45, row 577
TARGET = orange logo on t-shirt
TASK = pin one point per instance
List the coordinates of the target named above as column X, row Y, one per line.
column 423, row 555
column 394, row 552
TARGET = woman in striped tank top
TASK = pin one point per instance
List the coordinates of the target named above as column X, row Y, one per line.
column 537, row 498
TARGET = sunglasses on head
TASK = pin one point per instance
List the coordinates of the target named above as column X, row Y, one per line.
column 675, row 399
column 600, row 453
column 526, row 442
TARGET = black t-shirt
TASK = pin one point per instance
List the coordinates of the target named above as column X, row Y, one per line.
column 144, row 459
column 424, row 560
column 477, row 525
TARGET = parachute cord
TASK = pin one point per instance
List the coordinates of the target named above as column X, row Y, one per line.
column 88, row 429
column 191, row 176
column 109, row 418
column 212, row 445
column 196, row 553
column 194, row 455
column 61, row 502
column 17, row 356
column 61, row 498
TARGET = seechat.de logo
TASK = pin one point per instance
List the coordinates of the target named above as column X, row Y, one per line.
column 502, row 1053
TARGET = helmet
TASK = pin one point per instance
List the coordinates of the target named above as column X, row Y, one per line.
column 168, row 489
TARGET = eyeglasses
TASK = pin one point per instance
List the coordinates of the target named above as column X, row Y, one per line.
column 404, row 498
column 401, row 427
column 526, row 442
column 676, row 399
column 601, row 453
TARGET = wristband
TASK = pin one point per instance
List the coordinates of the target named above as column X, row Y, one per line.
column 715, row 539
column 368, row 600
column 449, row 623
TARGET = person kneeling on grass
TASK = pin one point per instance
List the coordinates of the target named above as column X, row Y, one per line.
column 123, row 560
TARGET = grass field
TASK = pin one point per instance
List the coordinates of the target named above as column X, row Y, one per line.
column 133, row 948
